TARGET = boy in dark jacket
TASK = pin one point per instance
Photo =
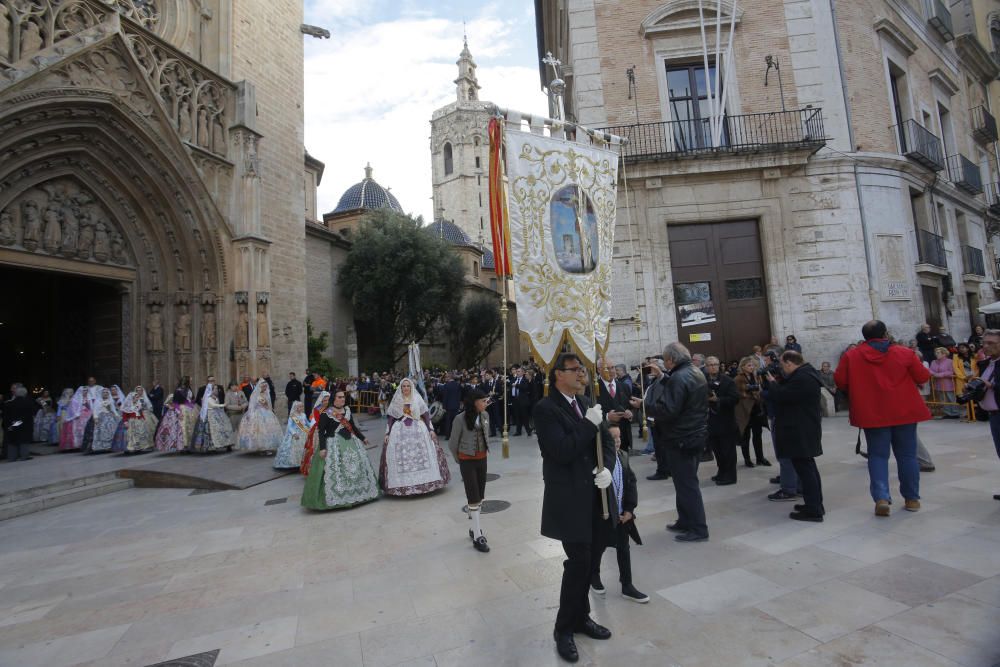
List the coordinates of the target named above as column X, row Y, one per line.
column 626, row 493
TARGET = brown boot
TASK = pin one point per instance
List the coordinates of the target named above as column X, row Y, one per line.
column 882, row 508
column 912, row 506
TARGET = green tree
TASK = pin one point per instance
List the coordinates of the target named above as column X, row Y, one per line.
column 401, row 280
column 476, row 330
column 315, row 347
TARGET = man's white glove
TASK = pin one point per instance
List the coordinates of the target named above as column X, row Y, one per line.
column 602, row 479
column 595, row 415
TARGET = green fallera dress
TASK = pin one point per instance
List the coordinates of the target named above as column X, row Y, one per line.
column 345, row 477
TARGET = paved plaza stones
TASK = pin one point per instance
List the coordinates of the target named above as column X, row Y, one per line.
column 144, row 576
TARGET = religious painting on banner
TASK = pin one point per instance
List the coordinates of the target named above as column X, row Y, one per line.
column 562, row 198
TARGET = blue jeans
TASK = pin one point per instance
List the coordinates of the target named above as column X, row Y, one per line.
column 902, row 440
column 995, row 430
column 786, row 471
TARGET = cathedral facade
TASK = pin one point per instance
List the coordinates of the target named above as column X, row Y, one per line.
column 151, row 192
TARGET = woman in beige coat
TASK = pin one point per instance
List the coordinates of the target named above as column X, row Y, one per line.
column 749, row 412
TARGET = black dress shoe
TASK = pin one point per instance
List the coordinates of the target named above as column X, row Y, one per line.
column 799, row 508
column 597, row 586
column 748, row 464
column 658, row 476
column 764, row 462
column 775, row 480
column 806, row 516
column 480, row 545
column 724, row 482
column 593, row 630
column 688, row 536
column 996, row 496
column 715, row 478
column 566, row 647
column 676, row 527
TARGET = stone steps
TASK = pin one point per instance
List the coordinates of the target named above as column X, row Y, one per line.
column 40, row 498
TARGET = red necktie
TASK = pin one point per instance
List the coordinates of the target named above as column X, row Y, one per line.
column 611, row 388
column 577, row 408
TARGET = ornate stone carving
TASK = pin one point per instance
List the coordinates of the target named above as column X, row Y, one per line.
column 182, row 330
column 7, row 234
column 208, row 327
column 154, row 329
column 144, row 12
column 29, row 26
column 196, row 100
column 105, row 69
column 243, row 328
column 61, row 217
column 263, row 329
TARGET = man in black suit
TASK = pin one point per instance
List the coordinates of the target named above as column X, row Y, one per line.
column 723, row 432
column 451, row 400
column 613, row 395
column 293, row 390
column 567, row 427
column 155, row 396
column 520, row 400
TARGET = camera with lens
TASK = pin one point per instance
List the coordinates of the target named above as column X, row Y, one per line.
column 975, row 390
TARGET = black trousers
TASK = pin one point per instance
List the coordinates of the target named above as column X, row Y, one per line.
column 574, row 596
column 684, row 471
column 625, row 426
column 662, row 460
column 621, row 546
column 757, row 431
column 474, row 479
column 522, row 417
column 812, row 486
column 495, row 411
column 449, row 418
column 724, row 448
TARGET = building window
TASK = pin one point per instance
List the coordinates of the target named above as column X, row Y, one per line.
column 479, row 178
column 897, row 84
column 480, row 200
column 947, row 133
column 449, row 163
column 475, row 269
column 478, row 164
column 689, row 106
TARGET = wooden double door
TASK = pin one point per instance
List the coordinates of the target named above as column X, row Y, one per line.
column 720, row 291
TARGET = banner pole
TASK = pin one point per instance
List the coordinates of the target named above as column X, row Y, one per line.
column 505, row 440
column 597, row 438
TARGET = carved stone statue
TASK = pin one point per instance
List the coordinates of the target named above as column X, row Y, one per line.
column 117, row 247
column 32, row 225
column 102, row 242
column 7, row 234
column 184, row 120
column 154, row 277
column 208, row 328
column 86, row 236
column 263, row 331
column 5, row 44
column 53, row 230
column 70, row 234
column 218, row 135
column 154, row 330
column 243, row 328
column 203, row 137
column 31, row 38
column 182, row 330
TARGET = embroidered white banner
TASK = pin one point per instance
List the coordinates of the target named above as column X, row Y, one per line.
column 562, row 201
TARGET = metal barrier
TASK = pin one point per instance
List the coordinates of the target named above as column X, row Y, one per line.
column 933, row 402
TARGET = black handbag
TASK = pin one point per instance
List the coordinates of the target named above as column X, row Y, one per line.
column 857, row 447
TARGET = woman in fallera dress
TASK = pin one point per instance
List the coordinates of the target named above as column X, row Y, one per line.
column 179, row 420
column 74, row 422
column 289, row 456
column 341, row 475
column 62, row 406
column 106, row 421
column 322, row 403
column 91, row 395
column 260, row 430
column 214, row 431
column 140, row 422
column 43, row 418
column 413, row 462
column 118, row 442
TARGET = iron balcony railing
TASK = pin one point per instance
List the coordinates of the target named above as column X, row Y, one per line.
column 930, row 249
column 920, row 144
column 972, row 261
column 964, row 174
column 993, row 199
column 940, row 18
column 749, row 133
column 984, row 125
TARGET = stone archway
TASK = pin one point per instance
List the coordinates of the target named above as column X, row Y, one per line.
column 91, row 186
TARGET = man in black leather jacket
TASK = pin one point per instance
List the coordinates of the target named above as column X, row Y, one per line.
column 680, row 413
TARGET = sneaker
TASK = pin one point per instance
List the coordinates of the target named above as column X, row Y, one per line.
column 912, row 506
column 882, row 508
column 597, row 586
column 780, row 496
column 629, row 592
column 480, row 544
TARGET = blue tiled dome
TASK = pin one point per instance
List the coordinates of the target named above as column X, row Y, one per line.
column 489, row 262
column 450, row 232
column 367, row 195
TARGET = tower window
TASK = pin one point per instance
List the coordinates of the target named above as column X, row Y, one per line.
column 449, row 163
column 475, row 269
column 475, row 141
column 478, row 165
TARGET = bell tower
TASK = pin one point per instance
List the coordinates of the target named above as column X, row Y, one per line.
column 467, row 85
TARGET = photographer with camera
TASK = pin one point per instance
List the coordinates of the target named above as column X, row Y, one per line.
column 656, row 373
column 750, row 417
column 680, row 413
column 787, row 478
column 881, row 380
column 989, row 402
column 723, row 432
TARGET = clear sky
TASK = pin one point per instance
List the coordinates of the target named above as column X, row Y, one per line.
column 371, row 87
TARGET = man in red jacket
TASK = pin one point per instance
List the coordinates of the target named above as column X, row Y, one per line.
column 881, row 382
